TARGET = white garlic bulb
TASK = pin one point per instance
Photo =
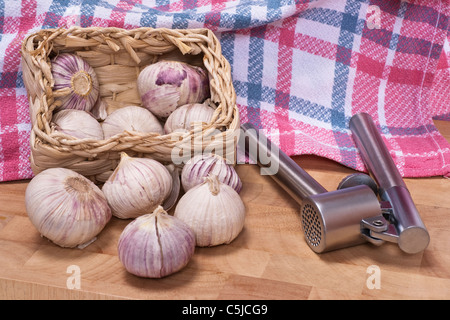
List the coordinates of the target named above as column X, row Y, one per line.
column 78, row 81
column 137, row 186
column 200, row 166
column 167, row 85
column 184, row 117
column 131, row 118
column 214, row 211
column 77, row 123
column 156, row 245
column 66, row 207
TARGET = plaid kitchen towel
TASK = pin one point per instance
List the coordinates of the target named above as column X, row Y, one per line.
column 301, row 69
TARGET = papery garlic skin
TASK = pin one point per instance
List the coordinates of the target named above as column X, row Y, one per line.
column 184, row 118
column 156, row 245
column 200, row 166
column 77, row 123
column 172, row 198
column 137, row 186
column 66, row 207
column 99, row 110
column 167, row 85
column 214, row 211
column 72, row 73
column 131, row 118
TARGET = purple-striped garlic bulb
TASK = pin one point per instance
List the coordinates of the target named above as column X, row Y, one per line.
column 214, row 211
column 200, row 166
column 137, row 186
column 77, row 123
column 76, row 84
column 167, row 85
column 184, row 118
column 66, row 207
column 156, row 245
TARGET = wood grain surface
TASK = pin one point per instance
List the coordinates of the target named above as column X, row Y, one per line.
column 269, row 260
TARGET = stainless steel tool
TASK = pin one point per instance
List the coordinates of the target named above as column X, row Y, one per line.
column 405, row 226
column 352, row 214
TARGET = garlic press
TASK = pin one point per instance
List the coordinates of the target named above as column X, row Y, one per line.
column 376, row 207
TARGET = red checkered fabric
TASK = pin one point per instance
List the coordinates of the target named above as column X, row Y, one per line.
column 301, row 69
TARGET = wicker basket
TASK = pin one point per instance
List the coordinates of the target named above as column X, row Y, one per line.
column 117, row 56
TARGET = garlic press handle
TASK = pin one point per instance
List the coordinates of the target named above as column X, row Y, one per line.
column 374, row 152
column 277, row 164
column 413, row 237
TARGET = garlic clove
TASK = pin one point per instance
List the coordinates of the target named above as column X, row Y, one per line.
column 213, row 210
column 156, row 245
column 163, row 100
column 200, row 166
column 66, row 207
column 77, row 123
column 99, row 111
column 131, row 118
column 167, row 85
column 171, row 200
column 137, row 186
column 75, row 82
column 184, row 117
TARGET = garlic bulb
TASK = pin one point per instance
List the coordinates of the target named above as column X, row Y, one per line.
column 184, row 117
column 200, row 166
column 131, row 118
column 66, row 207
column 77, row 123
column 214, row 211
column 137, row 186
column 76, row 80
column 156, row 245
column 166, row 85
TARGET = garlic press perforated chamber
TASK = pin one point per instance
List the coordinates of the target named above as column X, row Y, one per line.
column 375, row 207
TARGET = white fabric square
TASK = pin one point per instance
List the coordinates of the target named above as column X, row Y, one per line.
column 230, row 7
column 11, row 9
column 193, row 24
column 102, row 13
column 318, row 30
column 164, row 21
column 258, row 13
column 133, row 18
column 204, row 9
column 310, row 81
column 269, row 78
column 329, row 4
column 240, row 58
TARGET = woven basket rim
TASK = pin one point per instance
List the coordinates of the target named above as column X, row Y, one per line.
column 110, row 31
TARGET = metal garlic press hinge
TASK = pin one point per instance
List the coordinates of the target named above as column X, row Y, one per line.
column 378, row 229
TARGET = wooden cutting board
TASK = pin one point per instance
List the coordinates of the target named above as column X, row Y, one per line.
column 269, row 259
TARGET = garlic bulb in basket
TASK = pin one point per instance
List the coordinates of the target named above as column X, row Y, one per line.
column 214, row 211
column 156, row 245
column 66, row 207
column 131, row 118
column 200, row 166
column 77, row 123
column 166, row 85
column 76, row 81
column 184, row 117
column 137, row 186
